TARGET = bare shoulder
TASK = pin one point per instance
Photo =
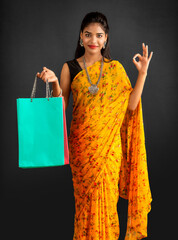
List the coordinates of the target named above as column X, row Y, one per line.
column 65, row 74
column 65, row 83
column 65, row 79
column 65, row 69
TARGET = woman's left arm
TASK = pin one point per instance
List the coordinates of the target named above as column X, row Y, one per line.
column 142, row 67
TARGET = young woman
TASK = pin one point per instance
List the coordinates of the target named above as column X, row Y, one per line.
column 106, row 142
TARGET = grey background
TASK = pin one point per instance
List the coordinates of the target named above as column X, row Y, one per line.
column 39, row 203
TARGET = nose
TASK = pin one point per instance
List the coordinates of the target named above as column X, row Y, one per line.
column 93, row 40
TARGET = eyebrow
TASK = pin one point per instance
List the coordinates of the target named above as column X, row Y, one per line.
column 90, row 32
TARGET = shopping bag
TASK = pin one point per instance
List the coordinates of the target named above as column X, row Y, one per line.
column 42, row 131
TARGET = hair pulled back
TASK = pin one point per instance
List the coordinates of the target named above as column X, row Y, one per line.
column 94, row 17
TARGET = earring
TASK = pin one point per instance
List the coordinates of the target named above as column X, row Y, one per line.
column 81, row 42
column 104, row 45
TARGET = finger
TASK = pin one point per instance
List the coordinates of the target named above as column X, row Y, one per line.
column 48, row 75
column 145, row 50
column 151, row 54
column 135, row 62
column 38, row 74
column 43, row 73
column 45, row 77
column 137, row 55
column 47, row 69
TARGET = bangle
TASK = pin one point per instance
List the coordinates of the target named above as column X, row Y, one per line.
column 59, row 94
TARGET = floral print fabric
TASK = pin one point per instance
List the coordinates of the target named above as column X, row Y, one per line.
column 107, row 156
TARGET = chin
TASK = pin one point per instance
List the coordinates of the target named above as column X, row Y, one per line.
column 93, row 50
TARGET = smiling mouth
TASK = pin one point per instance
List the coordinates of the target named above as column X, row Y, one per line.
column 92, row 46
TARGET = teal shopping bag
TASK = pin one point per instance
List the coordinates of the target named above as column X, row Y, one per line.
column 42, row 132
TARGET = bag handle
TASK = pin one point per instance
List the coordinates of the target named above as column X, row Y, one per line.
column 34, row 89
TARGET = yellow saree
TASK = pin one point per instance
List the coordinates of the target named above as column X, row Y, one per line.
column 107, row 156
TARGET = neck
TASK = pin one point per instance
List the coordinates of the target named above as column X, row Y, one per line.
column 92, row 58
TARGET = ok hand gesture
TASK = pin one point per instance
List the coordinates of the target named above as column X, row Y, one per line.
column 143, row 63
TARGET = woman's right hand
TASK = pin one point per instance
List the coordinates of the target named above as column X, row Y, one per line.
column 47, row 74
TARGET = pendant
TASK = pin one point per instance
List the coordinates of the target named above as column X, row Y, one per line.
column 93, row 89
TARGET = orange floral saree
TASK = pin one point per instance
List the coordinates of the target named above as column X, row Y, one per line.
column 107, row 156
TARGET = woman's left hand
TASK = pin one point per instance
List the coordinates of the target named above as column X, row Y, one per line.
column 143, row 63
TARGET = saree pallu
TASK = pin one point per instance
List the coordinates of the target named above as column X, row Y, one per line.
column 107, row 156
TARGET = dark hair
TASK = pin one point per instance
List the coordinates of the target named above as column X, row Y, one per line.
column 94, row 17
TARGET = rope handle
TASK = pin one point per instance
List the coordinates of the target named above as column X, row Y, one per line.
column 34, row 89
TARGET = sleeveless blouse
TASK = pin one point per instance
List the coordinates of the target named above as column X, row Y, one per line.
column 74, row 68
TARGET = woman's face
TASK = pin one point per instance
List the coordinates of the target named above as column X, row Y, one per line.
column 93, row 35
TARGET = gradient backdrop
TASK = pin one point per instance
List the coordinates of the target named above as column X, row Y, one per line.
column 39, row 203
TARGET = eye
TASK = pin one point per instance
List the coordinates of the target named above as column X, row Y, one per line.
column 88, row 34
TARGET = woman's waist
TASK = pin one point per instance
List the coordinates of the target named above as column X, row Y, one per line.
column 94, row 129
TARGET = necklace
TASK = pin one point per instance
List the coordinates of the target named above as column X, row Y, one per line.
column 93, row 89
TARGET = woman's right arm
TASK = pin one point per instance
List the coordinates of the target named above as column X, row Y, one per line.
column 65, row 85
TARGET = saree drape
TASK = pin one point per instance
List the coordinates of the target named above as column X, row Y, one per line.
column 107, row 156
